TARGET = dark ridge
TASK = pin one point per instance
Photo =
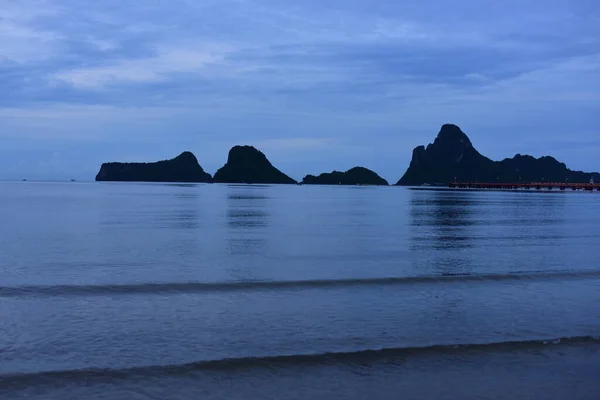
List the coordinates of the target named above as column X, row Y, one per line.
column 452, row 157
column 354, row 176
column 268, row 361
column 199, row 287
column 246, row 164
column 183, row 168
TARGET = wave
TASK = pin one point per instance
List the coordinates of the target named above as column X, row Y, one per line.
column 333, row 358
column 199, row 287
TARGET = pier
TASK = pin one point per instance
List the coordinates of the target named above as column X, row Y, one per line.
column 589, row 187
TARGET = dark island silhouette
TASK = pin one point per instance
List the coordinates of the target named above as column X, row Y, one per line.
column 354, row 176
column 452, row 157
column 246, row 164
column 183, row 168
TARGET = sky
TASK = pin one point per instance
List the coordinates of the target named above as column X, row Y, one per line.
column 316, row 85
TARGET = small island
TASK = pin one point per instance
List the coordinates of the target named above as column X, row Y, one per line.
column 183, row 168
column 354, row 176
column 452, row 157
column 246, row 164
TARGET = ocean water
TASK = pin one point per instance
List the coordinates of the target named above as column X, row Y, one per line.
column 180, row 291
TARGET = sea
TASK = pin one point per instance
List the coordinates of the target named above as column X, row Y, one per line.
column 210, row 291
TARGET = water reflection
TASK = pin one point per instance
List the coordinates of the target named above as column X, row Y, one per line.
column 247, row 207
column 183, row 209
column 534, row 209
column 451, row 230
column 442, row 226
column 442, row 220
column 533, row 219
column 186, row 214
column 247, row 218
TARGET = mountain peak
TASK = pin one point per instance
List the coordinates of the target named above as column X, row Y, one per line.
column 247, row 164
column 450, row 133
column 354, row 176
column 452, row 157
column 242, row 154
column 187, row 156
column 183, row 168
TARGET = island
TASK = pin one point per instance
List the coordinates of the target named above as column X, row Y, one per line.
column 183, row 168
column 354, row 176
column 452, row 157
column 246, row 164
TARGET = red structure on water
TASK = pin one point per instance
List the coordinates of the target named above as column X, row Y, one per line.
column 590, row 187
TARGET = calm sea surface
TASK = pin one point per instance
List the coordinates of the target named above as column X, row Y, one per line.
column 150, row 291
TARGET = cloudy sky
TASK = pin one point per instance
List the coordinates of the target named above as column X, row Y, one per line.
column 317, row 85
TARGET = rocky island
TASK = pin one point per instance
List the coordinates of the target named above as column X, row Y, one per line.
column 354, row 176
column 246, row 164
column 452, row 157
column 183, row 168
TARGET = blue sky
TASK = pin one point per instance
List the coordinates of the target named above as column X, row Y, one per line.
column 316, row 85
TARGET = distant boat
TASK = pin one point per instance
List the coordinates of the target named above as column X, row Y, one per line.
column 72, row 180
column 24, row 180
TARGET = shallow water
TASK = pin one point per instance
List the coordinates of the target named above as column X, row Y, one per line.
column 142, row 290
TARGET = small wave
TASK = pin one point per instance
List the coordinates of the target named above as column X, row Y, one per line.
column 332, row 358
column 199, row 287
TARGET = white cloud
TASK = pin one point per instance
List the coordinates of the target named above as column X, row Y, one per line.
column 151, row 69
column 63, row 121
column 392, row 29
column 20, row 40
column 570, row 81
column 103, row 45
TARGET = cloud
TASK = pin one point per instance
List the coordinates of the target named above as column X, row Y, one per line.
column 298, row 78
column 103, row 45
column 152, row 69
column 81, row 123
column 21, row 39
